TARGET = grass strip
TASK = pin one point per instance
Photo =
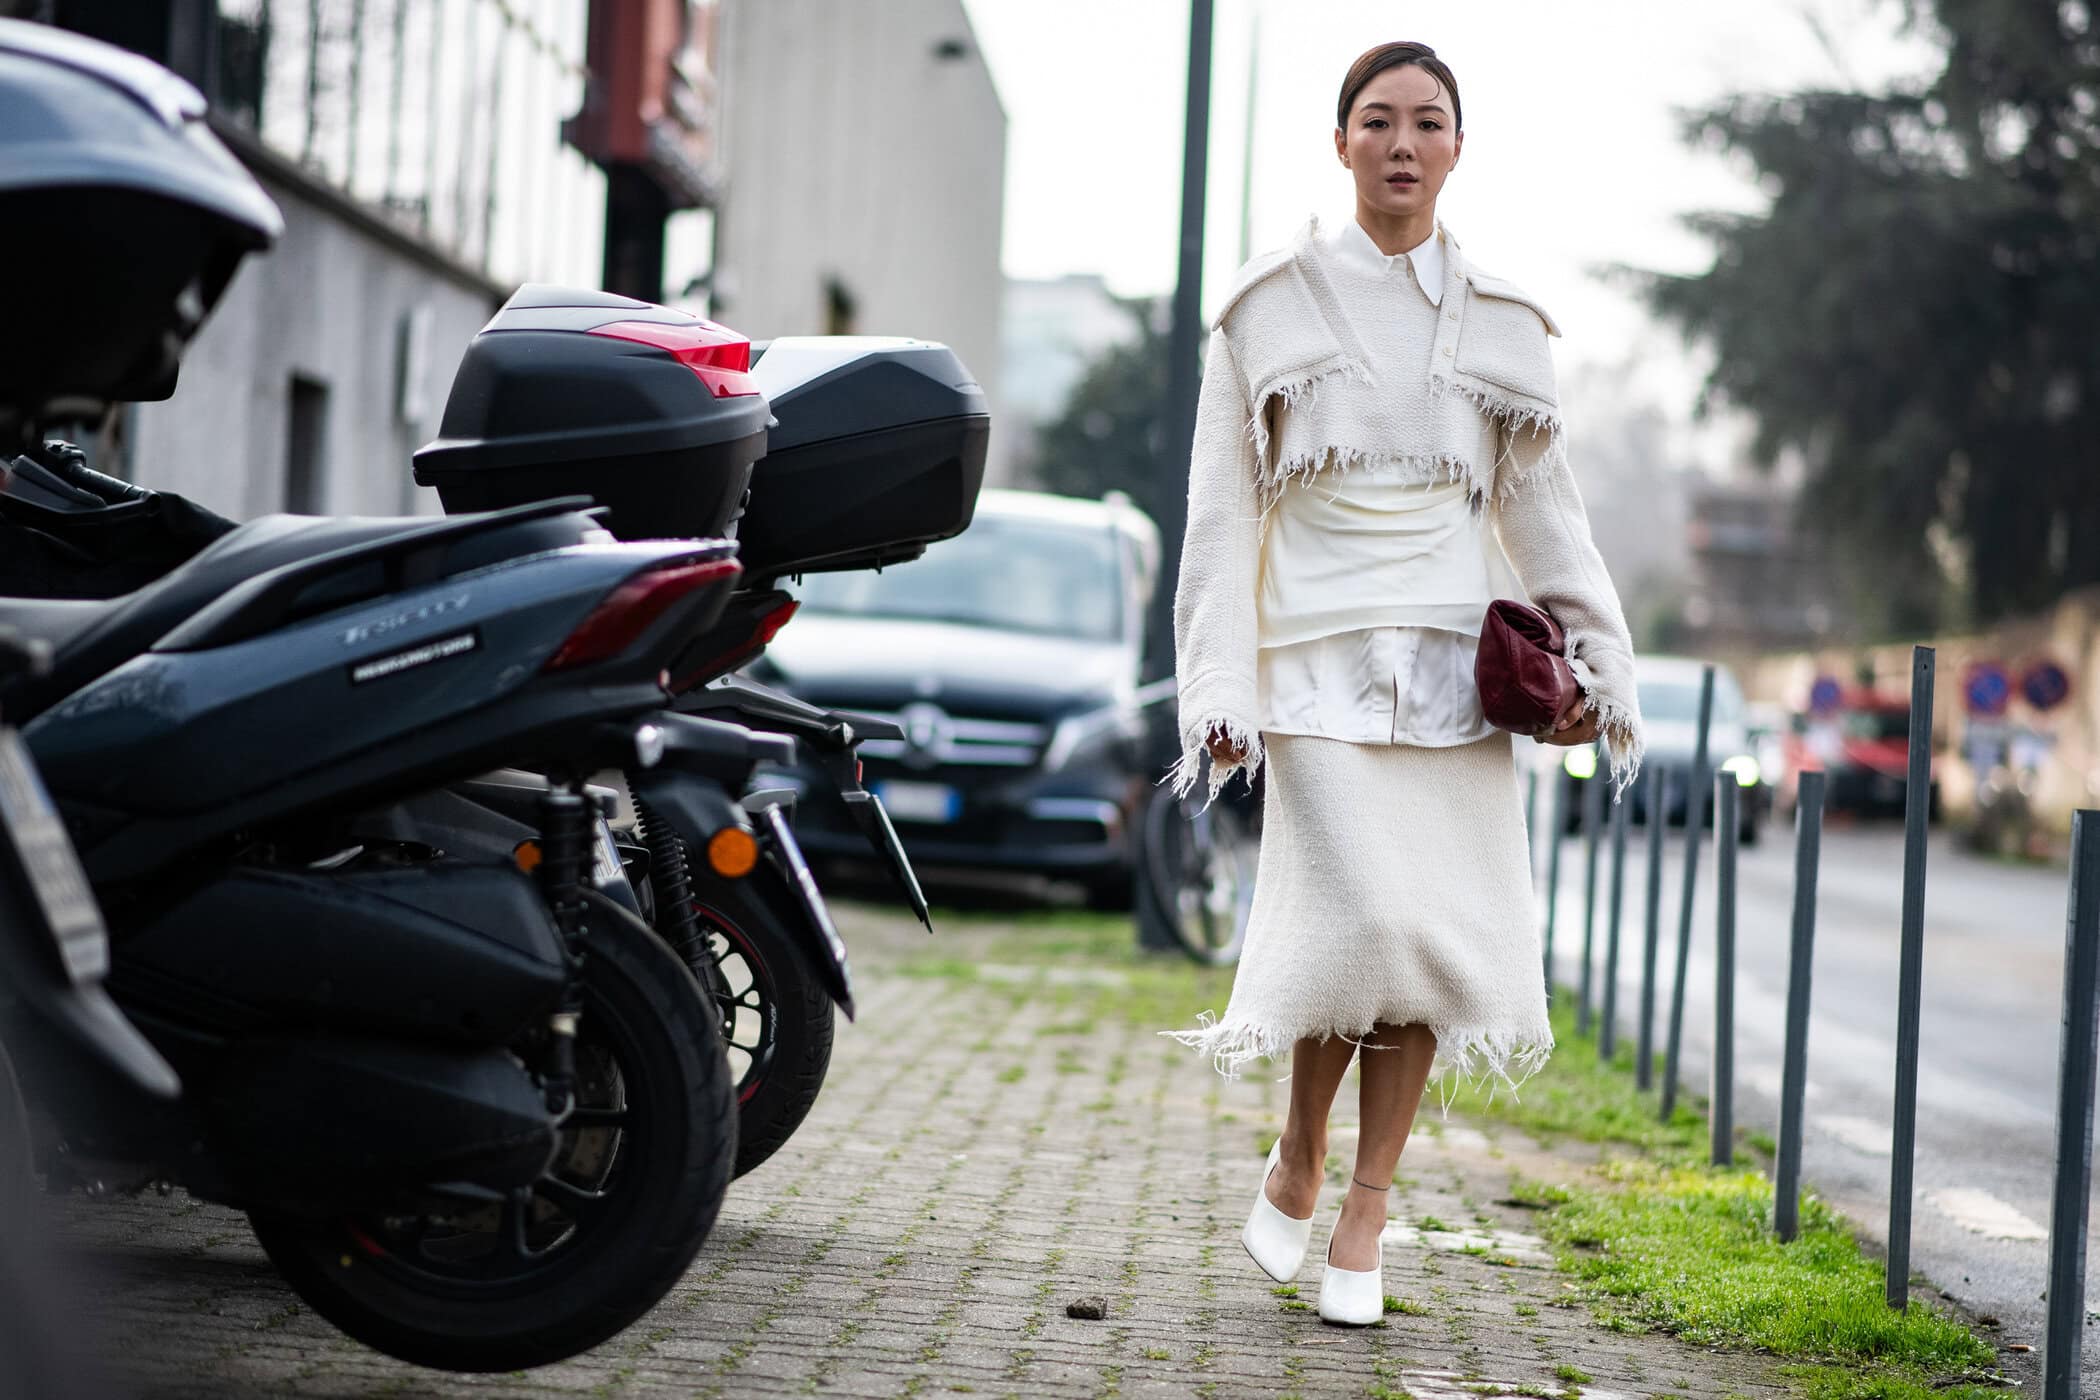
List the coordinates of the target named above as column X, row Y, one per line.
column 1660, row 1240
column 1688, row 1249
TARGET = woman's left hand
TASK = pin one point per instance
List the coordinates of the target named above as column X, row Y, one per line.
column 1576, row 725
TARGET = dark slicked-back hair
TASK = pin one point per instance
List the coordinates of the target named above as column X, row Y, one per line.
column 1376, row 61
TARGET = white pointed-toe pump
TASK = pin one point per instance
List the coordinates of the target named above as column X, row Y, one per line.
column 1276, row 1241
column 1351, row 1297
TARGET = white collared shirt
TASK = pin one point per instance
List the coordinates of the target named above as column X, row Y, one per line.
column 1423, row 263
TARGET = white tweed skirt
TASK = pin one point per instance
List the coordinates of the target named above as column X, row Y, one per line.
column 1394, row 885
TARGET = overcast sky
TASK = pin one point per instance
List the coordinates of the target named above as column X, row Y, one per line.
column 1572, row 157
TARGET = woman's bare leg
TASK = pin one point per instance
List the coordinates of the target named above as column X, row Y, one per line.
column 1317, row 1067
column 1396, row 1061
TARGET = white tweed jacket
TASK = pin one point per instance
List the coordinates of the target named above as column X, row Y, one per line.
column 1279, row 333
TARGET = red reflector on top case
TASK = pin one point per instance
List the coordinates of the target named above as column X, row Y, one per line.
column 719, row 356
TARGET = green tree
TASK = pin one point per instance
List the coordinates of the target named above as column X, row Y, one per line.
column 1916, row 312
column 1109, row 436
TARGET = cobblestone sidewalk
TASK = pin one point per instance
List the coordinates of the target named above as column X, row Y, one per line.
column 977, row 1162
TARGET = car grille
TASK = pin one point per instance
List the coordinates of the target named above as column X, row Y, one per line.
column 936, row 739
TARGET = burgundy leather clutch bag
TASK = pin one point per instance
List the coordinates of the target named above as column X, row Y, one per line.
column 1522, row 668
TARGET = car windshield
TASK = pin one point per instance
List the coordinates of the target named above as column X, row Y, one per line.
column 1679, row 700
column 1011, row 574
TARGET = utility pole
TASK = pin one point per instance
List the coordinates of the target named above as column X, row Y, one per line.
column 1178, row 413
column 1177, row 418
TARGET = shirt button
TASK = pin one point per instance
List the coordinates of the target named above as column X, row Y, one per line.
column 1447, row 351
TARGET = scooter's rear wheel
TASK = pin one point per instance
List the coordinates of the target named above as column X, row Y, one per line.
column 639, row 1176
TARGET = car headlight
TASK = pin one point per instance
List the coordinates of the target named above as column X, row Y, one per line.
column 1746, row 769
column 1089, row 732
column 1581, row 761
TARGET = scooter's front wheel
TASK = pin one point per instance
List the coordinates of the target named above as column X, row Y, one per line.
column 633, row 1190
column 777, row 1019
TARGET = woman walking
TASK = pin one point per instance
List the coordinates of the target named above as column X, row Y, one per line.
column 1378, row 456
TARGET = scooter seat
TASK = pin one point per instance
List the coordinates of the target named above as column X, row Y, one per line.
column 91, row 638
column 56, row 622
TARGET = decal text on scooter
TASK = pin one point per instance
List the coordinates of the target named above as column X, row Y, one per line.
column 380, row 667
column 379, row 627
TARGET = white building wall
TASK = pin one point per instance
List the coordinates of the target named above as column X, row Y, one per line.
column 855, row 151
column 327, row 304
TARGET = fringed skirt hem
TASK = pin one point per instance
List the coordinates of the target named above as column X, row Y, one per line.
column 1474, row 1056
column 1394, row 887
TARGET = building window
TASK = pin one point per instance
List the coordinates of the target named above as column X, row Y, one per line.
column 306, row 448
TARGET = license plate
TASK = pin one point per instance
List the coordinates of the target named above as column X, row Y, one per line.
column 920, row 802
column 45, row 854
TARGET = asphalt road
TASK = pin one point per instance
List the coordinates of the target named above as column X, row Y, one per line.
column 1987, row 1068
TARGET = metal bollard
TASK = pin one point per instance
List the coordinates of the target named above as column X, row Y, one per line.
column 1721, row 1085
column 1608, row 1004
column 1694, row 829
column 1592, row 829
column 1658, row 783
column 2061, row 1350
column 1553, row 844
column 1793, row 1077
column 1910, row 976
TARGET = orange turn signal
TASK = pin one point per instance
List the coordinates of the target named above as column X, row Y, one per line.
column 732, row 852
column 527, row 855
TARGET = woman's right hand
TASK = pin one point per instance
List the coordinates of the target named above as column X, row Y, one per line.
column 1223, row 751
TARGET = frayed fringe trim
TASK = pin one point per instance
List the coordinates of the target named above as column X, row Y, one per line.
column 1517, row 418
column 1469, row 1055
column 1623, row 744
column 1520, row 473
column 1299, row 389
column 1306, row 467
column 1618, row 722
column 1506, row 411
column 1296, row 390
column 1195, row 753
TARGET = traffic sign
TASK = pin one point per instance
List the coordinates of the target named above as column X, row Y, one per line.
column 1986, row 687
column 1823, row 696
column 2045, row 685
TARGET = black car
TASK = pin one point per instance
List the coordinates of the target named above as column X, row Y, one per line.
column 1011, row 658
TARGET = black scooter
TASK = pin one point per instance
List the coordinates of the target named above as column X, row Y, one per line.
column 479, row 1116
column 477, row 1113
